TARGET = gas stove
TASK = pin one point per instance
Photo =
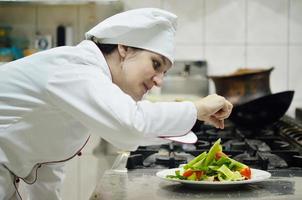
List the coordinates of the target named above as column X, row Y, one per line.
column 278, row 146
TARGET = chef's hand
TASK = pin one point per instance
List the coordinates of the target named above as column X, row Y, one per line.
column 213, row 109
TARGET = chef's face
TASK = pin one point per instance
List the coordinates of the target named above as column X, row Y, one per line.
column 141, row 70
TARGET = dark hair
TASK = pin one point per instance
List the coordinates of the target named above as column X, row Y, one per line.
column 106, row 48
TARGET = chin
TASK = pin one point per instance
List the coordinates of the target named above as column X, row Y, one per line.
column 136, row 97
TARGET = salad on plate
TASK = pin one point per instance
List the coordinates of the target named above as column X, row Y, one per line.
column 213, row 166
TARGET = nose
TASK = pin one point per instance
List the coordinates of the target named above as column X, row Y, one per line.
column 158, row 79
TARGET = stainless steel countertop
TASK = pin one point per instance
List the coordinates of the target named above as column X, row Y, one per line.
column 142, row 184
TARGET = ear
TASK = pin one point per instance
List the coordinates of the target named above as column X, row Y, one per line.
column 122, row 50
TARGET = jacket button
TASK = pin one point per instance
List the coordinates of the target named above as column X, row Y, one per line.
column 17, row 180
column 80, row 153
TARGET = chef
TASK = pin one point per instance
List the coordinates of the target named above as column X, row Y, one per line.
column 52, row 100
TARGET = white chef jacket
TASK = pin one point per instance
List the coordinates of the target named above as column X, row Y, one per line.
column 51, row 100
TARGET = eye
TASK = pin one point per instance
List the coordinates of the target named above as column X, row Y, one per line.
column 156, row 65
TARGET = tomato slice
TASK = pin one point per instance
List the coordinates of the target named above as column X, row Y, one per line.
column 188, row 173
column 198, row 175
column 220, row 154
column 246, row 172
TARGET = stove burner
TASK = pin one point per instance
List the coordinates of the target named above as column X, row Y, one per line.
column 201, row 144
column 234, row 145
column 251, row 161
column 258, row 145
column 255, row 132
column 290, row 130
column 298, row 138
column 268, row 132
column 294, row 134
column 297, row 160
column 274, row 161
column 278, row 144
column 135, row 161
column 170, row 160
column 237, row 145
column 188, row 147
column 217, row 132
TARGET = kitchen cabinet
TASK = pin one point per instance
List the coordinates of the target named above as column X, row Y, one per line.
column 55, row 2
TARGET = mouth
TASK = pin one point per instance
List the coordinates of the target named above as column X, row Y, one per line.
column 146, row 87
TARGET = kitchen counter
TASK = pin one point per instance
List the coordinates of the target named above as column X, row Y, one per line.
column 142, row 184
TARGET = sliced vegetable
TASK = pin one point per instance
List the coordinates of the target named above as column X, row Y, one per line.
column 200, row 166
column 198, row 175
column 219, row 155
column 223, row 161
column 192, row 177
column 236, row 165
column 195, row 160
column 214, row 149
column 187, row 173
column 177, row 175
column 208, row 178
column 246, row 172
column 229, row 175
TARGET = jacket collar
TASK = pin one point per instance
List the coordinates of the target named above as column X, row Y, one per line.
column 100, row 60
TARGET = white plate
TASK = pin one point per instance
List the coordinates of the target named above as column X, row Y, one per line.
column 257, row 176
column 189, row 138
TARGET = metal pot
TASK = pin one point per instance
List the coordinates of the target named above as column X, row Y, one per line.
column 243, row 85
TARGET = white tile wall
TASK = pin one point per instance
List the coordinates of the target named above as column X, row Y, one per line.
column 295, row 62
column 270, row 56
column 295, row 22
column 189, row 52
column 190, row 32
column 225, row 22
column 267, row 21
column 223, row 59
column 132, row 4
column 190, row 20
column 295, row 104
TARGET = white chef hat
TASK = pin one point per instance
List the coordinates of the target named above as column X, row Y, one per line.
column 147, row 28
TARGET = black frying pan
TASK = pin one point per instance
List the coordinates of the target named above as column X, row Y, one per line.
column 262, row 111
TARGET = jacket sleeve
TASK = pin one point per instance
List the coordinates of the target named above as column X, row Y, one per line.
column 90, row 97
